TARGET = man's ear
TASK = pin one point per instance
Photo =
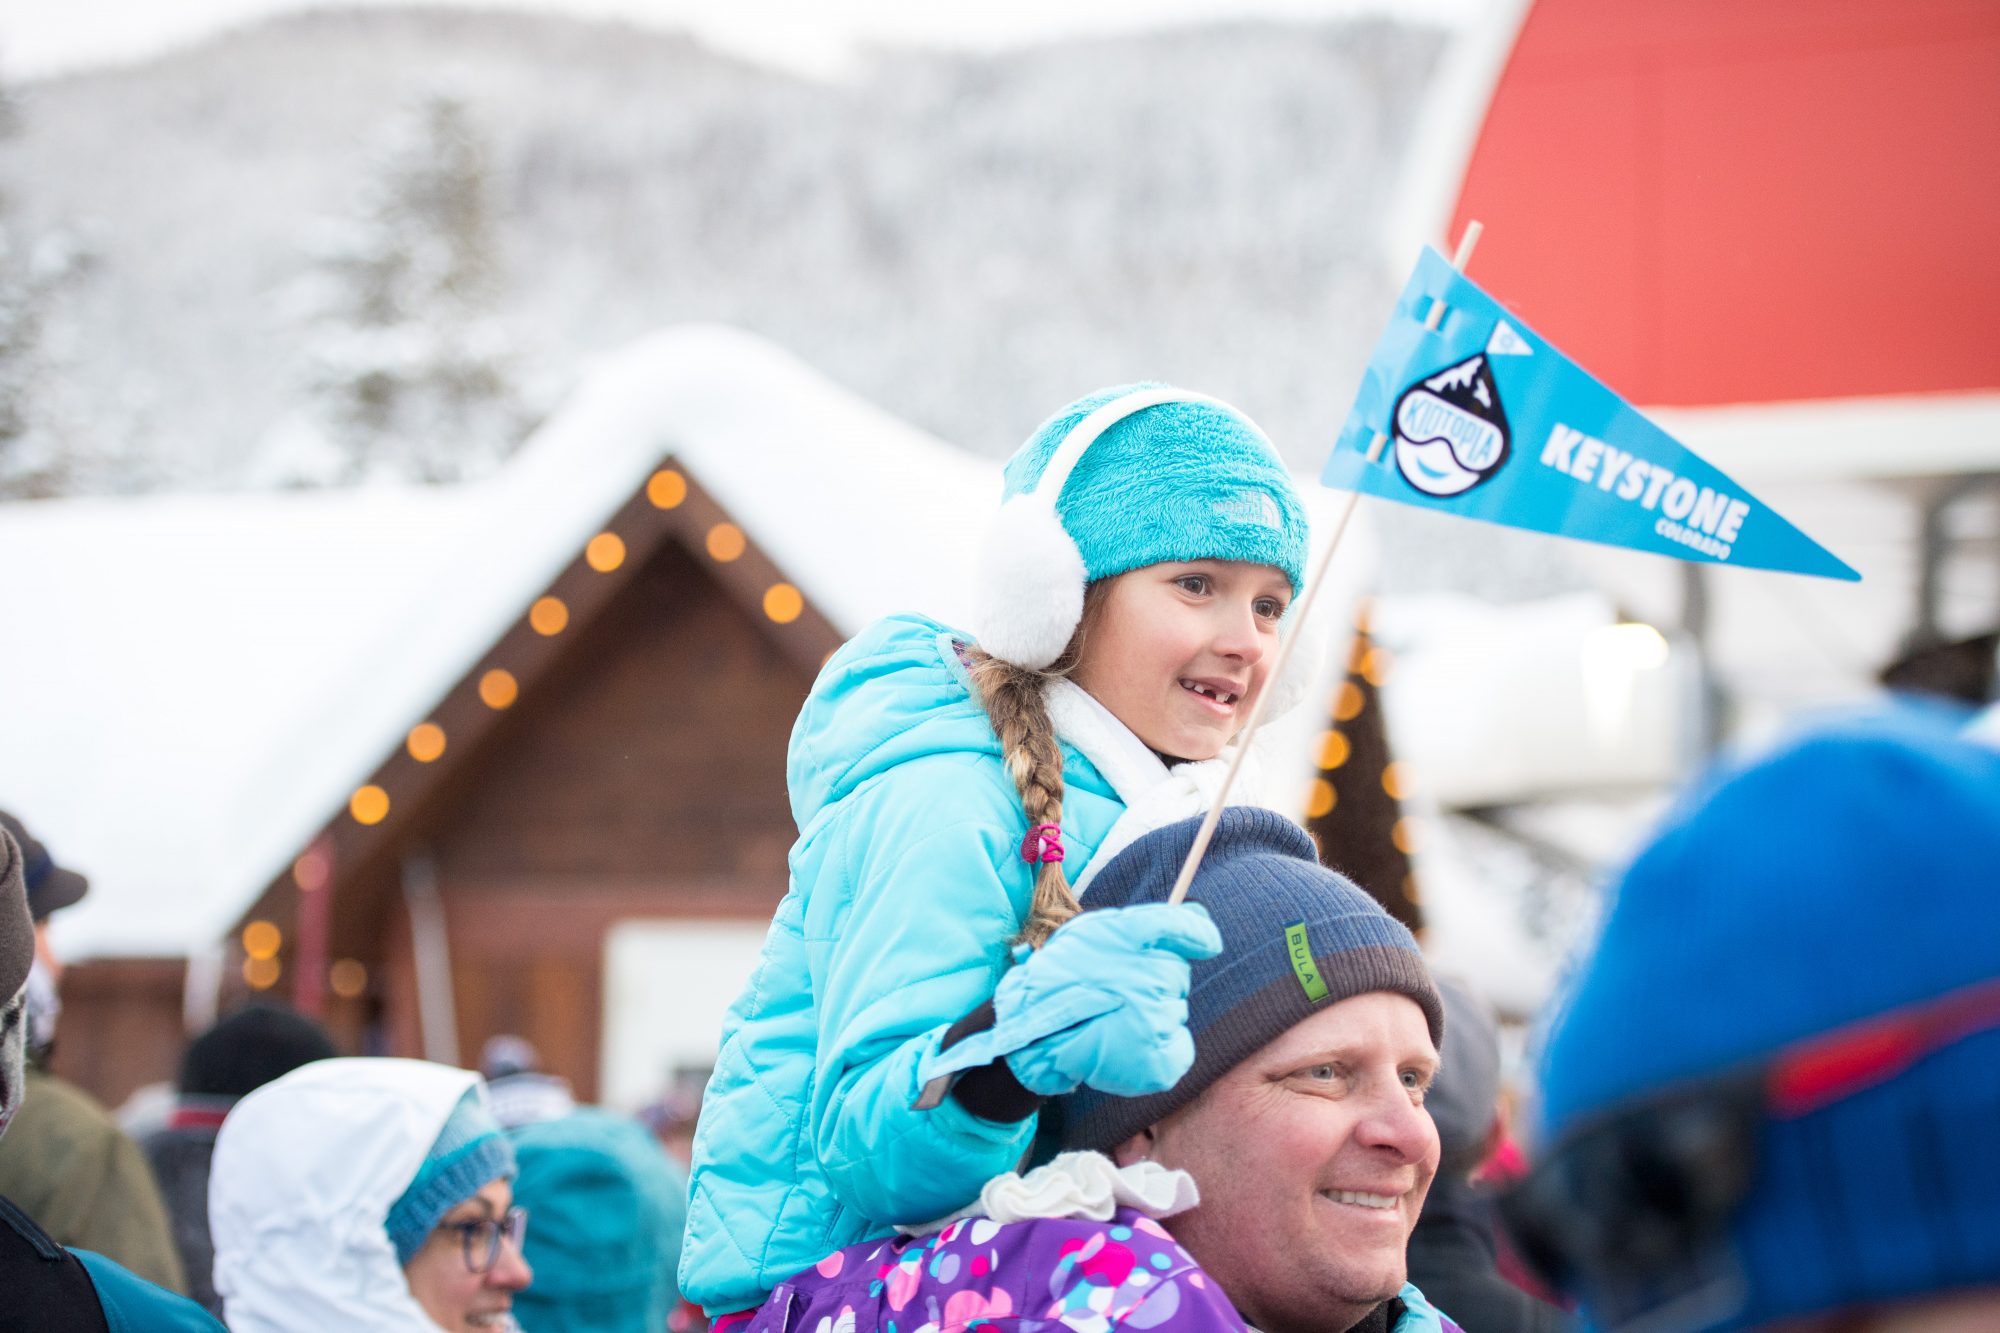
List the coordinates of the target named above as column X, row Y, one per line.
column 1138, row 1148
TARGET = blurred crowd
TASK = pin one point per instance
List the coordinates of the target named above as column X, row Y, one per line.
column 1769, row 1096
column 285, row 1186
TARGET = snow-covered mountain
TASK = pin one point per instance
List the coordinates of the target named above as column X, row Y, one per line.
column 966, row 240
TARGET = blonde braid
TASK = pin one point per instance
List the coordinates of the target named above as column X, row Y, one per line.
column 1016, row 700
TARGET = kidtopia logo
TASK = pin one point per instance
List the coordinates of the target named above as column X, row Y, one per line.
column 1451, row 432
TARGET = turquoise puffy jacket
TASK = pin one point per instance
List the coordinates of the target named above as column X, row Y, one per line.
column 906, row 887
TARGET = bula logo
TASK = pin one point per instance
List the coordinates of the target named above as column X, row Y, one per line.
column 1303, row 966
column 1451, row 432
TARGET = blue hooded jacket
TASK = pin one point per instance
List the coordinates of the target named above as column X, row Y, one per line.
column 907, row 886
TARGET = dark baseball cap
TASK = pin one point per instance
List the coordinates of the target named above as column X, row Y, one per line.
column 17, row 931
column 50, row 887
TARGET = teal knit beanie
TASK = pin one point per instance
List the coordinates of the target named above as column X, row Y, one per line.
column 609, row 1209
column 469, row 1151
column 1162, row 475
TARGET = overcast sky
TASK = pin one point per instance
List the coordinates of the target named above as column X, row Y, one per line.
column 43, row 37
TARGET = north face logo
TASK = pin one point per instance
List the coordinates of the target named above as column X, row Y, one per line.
column 1254, row 508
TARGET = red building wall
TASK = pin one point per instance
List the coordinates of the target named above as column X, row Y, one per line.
column 1720, row 201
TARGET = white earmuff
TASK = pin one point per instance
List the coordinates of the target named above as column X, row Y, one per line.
column 1031, row 574
column 1302, row 669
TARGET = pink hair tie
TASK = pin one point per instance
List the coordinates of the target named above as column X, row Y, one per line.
column 1043, row 844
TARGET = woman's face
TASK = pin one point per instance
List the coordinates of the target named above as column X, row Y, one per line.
column 456, row 1298
column 1178, row 652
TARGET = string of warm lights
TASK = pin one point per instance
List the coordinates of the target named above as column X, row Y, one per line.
column 1368, row 669
column 498, row 689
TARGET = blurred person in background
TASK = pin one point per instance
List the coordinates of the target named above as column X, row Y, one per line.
column 671, row 1118
column 673, row 1114
column 66, row 1162
column 45, row 1287
column 1454, row 1249
column 225, row 1064
column 516, row 1088
column 1772, row 1097
column 368, row 1196
column 608, row 1209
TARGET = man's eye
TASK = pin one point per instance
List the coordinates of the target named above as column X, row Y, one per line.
column 1325, row 1072
column 1414, row 1080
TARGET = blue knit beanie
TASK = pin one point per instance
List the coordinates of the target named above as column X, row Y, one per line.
column 1179, row 477
column 469, row 1151
column 1852, row 872
column 609, row 1208
column 1296, row 937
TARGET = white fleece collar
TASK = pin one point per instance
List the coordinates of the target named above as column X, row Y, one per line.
column 1094, row 731
column 1153, row 794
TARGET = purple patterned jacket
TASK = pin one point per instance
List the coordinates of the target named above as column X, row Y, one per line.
column 1062, row 1275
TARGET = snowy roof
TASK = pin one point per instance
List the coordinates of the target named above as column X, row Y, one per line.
column 198, row 682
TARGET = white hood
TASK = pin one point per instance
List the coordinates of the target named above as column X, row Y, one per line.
column 305, row 1170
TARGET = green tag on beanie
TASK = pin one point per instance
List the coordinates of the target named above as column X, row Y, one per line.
column 1302, row 961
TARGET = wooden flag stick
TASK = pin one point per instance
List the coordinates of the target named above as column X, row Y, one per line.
column 1466, row 241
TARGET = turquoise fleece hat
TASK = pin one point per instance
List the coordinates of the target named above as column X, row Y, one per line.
column 1121, row 479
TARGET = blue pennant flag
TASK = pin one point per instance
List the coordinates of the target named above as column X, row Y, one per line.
column 1484, row 418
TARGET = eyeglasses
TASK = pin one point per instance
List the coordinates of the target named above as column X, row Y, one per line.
column 480, row 1240
column 1631, row 1209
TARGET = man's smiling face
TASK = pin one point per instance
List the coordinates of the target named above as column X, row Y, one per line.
column 1313, row 1156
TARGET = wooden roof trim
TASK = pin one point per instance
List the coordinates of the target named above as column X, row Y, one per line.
column 670, row 504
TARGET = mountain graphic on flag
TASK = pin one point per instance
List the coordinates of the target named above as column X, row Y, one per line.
column 1506, row 342
column 1451, row 432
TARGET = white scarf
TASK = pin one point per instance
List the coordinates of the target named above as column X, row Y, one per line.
column 1153, row 794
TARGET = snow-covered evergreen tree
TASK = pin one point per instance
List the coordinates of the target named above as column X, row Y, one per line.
column 37, row 454
column 407, row 361
column 20, row 325
column 44, row 449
